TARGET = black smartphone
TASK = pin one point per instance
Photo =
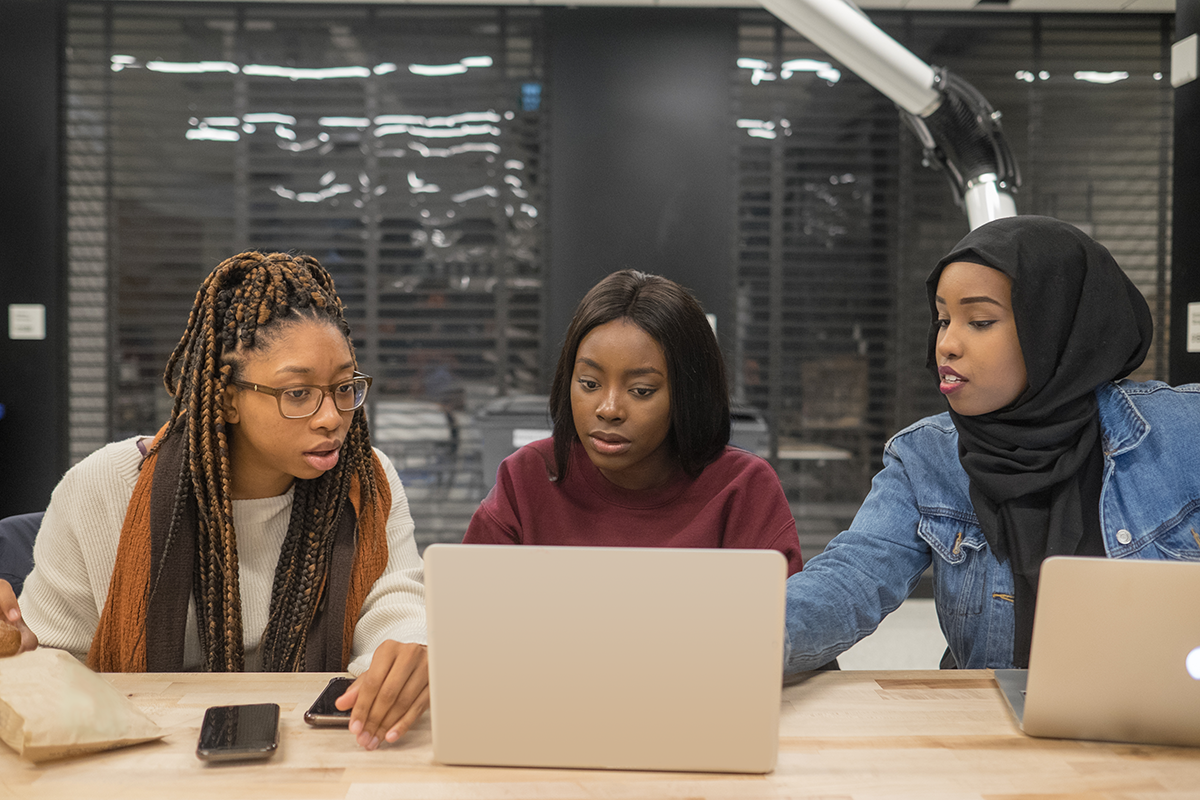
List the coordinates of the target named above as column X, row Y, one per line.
column 230, row 733
column 323, row 712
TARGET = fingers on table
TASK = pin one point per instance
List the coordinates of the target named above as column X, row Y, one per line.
column 392, row 693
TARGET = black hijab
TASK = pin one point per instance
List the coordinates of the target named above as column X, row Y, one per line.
column 1035, row 465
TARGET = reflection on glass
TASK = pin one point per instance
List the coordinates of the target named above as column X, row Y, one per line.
column 758, row 128
column 190, row 68
column 1091, row 76
column 761, row 70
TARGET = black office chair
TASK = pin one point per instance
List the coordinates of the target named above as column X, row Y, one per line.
column 16, row 547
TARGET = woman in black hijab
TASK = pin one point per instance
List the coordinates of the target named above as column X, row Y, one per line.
column 1035, row 465
column 1042, row 453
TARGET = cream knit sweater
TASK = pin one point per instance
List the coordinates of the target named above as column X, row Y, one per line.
column 76, row 549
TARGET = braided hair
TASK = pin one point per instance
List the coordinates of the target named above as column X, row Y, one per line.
column 243, row 305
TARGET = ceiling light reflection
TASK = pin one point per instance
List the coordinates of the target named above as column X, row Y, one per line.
column 311, row 197
column 388, row 130
column 441, row 70
column 472, row 194
column 191, row 67
column 1104, row 78
column 298, row 74
column 465, row 124
column 212, row 135
column 436, row 71
column 121, row 61
column 822, row 69
column 416, row 185
column 761, row 70
column 445, row 152
column 753, row 63
column 438, row 133
column 758, row 128
column 344, row 122
column 263, row 119
column 400, row 119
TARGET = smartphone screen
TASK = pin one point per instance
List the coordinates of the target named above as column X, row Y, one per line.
column 237, row 732
column 323, row 711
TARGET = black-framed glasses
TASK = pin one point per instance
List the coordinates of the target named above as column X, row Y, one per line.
column 299, row 402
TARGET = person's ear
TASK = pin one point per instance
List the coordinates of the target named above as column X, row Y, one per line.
column 229, row 406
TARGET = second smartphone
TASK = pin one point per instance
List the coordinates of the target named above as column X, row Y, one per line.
column 323, row 712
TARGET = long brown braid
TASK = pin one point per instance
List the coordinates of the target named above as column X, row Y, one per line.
column 244, row 304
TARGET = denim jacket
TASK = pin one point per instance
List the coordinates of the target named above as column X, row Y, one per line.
column 919, row 513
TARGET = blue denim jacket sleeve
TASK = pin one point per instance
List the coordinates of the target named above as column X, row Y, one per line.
column 864, row 574
column 919, row 514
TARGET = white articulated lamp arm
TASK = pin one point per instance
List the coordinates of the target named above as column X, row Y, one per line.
column 957, row 127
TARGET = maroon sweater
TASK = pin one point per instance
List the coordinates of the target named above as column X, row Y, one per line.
column 735, row 502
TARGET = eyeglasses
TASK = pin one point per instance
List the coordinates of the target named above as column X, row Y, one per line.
column 299, row 402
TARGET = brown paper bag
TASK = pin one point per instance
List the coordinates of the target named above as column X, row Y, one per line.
column 52, row 706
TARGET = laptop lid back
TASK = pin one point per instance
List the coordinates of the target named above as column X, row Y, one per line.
column 1113, row 641
column 621, row 658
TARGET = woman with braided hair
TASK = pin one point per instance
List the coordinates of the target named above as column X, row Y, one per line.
column 258, row 530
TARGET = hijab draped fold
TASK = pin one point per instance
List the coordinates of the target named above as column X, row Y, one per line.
column 144, row 620
column 1035, row 466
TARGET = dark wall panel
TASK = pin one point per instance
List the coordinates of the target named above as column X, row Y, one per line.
column 32, row 391
column 1185, row 240
column 640, row 161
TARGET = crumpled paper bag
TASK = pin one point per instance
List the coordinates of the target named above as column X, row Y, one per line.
column 52, row 706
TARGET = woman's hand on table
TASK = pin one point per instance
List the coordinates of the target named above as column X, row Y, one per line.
column 390, row 696
column 10, row 612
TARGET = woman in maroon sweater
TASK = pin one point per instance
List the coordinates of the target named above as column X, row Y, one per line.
column 640, row 454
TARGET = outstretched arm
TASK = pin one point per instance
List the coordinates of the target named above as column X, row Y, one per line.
column 389, row 654
column 863, row 575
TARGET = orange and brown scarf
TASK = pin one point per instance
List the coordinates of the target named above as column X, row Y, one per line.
column 144, row 620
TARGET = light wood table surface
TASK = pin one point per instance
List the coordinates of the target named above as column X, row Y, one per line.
column 846, row 735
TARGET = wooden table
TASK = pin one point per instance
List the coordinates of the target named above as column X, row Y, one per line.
column 845, row 735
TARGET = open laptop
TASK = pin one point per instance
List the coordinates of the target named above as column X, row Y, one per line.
column 605, row 657
column 1115, row 654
